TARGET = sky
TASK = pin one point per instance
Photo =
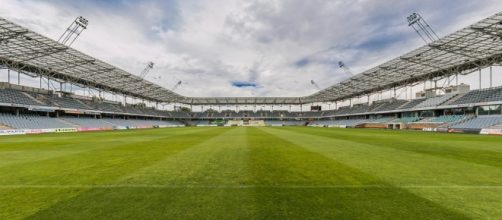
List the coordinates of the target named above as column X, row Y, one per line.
column 246, row 47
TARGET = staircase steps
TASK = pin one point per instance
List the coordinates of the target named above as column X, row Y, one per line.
column 32, row 98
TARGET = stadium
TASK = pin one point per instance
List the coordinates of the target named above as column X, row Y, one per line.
column 417, row 136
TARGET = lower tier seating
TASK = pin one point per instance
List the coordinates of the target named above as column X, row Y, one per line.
column 479, row 122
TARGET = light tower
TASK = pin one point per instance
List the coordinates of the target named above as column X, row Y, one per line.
column 73, row 31
column 423, row 29
column 315, row 84
column 178, row 84
column 146, row 70
column 344, row 67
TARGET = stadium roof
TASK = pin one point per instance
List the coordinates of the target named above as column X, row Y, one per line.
column 473, row 47
column 29, row 52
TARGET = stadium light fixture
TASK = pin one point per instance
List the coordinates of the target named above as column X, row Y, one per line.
column 147, row 69
column 423, row 29
column 73, row 31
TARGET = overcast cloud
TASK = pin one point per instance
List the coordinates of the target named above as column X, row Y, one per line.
column 279, row 45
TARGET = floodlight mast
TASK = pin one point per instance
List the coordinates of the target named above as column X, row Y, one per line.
column 73, row 31
column 178, row 84
column 423, row 29
column 315, row 84
column 146, row 70
column 346, row 69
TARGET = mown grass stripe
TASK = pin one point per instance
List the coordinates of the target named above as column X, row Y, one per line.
column 214, row 160
column 399, row 167
column 308, row 168
column 434, row 145
column 94, row 167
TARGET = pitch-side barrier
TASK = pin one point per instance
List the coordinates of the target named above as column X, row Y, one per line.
column 84, row 129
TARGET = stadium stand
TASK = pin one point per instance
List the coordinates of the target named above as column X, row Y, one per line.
column 389, row 106
column 108, row 109
column 411, row 104
column 406, row 120
column 343, row 110
column 495, row 96
column 482, row 95
column 274, row 122
column 253, row 114
column 447, row 118
column 88, row 122
column 17, row 97
column 479, row 122
column 32, row 122
column 178, row 114
column 66, row 102
column 459, row 108
column 314, row 114
column 293, row 123
column 435, row 101
column 360, row 108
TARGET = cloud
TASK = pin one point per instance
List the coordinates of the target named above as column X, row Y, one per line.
column 278, row 45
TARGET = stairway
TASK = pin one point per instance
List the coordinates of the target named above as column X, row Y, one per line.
column 497, row 126
column 455, row 98
column 84, row 104
column 72, row 125
column 5, row 127
column 32, row 98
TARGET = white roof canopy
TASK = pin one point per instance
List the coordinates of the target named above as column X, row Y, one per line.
column 474, row 47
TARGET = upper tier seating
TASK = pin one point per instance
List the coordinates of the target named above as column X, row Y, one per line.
column 32, row 122
column 88, row 122
column 343, row 110
column 66, row 102
column 313, row 114
column 411, row 104
column 198, row 114
column 495, row 96
column 264, row 114
column 291, row 114
column 483, row 95
column 106, row 106
column 359, row 108
column 254, row 114
column 243, row 114
column 435, row 101
column 17, row 97
column 223, row 114
column 133, row 110
column 177, row 114
column 389, row 106
column 278, row 114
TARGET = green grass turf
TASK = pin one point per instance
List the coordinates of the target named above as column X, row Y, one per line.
column 251, row 173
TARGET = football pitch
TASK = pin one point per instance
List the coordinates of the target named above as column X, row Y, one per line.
column 251, row 173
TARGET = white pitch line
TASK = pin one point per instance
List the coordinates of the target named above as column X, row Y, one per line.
column 107, row 186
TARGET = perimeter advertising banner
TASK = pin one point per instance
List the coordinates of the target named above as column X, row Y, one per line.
column 65, row 130
column 91, row 129
column 491, row 131
column 11, row 132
